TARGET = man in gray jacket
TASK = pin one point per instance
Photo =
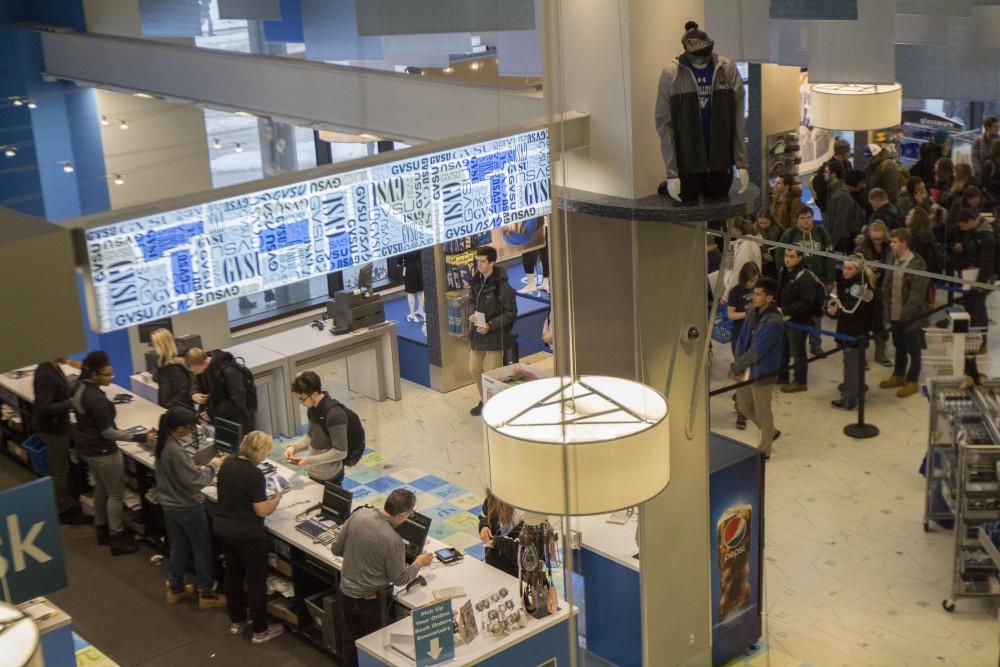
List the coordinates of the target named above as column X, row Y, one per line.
column 326, row 439
column 843, row 218
column 906, row 310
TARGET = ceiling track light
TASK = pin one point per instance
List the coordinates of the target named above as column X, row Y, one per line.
column 123, row 124
column 17, row 101
column 9, row 151
column 104, row 120
column 216, row 144
column 119, row 179
column 32, row 104
column 68, row 167
column 239, row 148
column 448, row 70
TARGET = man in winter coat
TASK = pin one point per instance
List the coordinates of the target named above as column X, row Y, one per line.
column 930, row 153
column 220, row 387
column 843, row 219
column 807, row 235
column 982, row 147
column 882, row 172
column 787, row 201
column 976, row 250
column 883, row 209
column 799, row 297
column 841, row 156
column 494, row 311
column 758, row 350
column 906, row 310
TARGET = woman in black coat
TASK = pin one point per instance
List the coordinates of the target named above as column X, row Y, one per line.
column 172, row 376
column 499, row 527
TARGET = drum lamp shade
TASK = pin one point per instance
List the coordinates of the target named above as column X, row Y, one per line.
column 856, row 106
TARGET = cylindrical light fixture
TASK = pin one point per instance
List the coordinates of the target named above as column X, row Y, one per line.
column 20, row 644
column 576, row 447
column 855, row 106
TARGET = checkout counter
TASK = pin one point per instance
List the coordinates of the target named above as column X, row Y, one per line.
column 314, row 571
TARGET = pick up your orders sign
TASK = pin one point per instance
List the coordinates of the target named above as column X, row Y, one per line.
column 161, row 265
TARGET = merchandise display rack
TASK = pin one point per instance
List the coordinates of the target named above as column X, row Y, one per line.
column 963, row 457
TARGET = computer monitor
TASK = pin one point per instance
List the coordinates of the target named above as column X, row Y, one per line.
column 336, row 503
column 147, row 328
column 365, row 277
column 227, row 435
column 414, row 533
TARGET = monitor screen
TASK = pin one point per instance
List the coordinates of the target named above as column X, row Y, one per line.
column 336, row 502
column 414, row 533
column 228, row 435
column 147, row 328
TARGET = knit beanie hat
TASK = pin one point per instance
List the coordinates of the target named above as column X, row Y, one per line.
column 696, row 42
column 941, row 136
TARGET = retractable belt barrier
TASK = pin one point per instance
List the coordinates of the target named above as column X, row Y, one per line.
column 858, row 429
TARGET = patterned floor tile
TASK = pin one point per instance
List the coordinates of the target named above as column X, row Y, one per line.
column 461, row 540
column 429, row 482
column 467, row 501
column 363, row 475
column 443, row 511
column 362, row 494
column 464, row 521
column 372, row 459
column 448, row 492
column 407, row 475
column 441, row 530
column 383, row 484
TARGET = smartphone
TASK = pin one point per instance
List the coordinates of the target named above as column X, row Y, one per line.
column 448, row 555
column 137, row 429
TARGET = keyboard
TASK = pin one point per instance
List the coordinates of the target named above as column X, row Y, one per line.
column 317, row 532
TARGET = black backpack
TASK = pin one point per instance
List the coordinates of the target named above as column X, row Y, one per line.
column 355, row 435
column 249, row 386
column 821, row 291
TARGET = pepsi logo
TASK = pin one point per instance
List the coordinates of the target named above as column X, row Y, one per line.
column 734, row 531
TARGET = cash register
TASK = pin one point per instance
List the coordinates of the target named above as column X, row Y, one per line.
column 356, row 309
column 333, row 512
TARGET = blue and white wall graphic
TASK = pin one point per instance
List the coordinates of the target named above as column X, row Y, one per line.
column 160, row 265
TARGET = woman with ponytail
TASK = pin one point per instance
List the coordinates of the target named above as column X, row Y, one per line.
column 179, row 483
column 854, row 310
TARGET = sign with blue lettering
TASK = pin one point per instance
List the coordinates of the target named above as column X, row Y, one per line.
column 433, row 633
column 156, row 266
column 31, row 556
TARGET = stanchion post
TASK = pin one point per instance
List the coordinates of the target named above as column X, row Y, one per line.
column 860, row 429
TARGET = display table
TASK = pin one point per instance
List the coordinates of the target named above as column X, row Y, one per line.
column 372, row 361
column 540, row 642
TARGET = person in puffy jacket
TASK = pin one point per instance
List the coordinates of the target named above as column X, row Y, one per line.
column 975, row 254
column 219, row 386
column 494, row 308
column 759, row 355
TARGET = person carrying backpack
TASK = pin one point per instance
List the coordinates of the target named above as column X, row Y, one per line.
column 224, row 385
column 327, row 437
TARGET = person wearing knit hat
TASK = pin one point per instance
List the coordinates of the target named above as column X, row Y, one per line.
column 699, row 117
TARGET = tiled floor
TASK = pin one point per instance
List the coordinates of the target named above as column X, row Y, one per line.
column 851, row 577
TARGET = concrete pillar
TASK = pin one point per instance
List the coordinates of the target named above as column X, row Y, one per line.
column 629, row 281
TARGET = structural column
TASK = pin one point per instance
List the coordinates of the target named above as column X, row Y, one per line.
column 628, row 280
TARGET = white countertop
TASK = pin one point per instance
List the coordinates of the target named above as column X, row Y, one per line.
column 306, row 340
column 613, row 541
column 479, row 649
column 25, row 386
column 256, row 356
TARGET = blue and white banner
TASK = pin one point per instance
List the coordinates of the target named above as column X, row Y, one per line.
column 160, row 265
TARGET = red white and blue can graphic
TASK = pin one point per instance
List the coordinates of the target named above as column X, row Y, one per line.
column 734, row 559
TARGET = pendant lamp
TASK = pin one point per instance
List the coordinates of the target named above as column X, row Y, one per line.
column 855, row 106
column 19, row 639
column 565, row 446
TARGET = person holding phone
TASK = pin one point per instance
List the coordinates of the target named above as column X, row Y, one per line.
column 494, row 307
column 239, row 524
column 96, row 436
column 499, row 526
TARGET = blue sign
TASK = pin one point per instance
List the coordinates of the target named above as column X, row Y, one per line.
column 156, row 266
column 31, row 555
column 433, row 633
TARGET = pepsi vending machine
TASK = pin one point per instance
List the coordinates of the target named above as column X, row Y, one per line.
column 736, row 511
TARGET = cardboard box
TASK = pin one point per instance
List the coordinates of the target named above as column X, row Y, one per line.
column 501, row 378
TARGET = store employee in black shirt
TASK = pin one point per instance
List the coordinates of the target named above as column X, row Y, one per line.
column 53, row 402
column 96, row 437
column 239, row 524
